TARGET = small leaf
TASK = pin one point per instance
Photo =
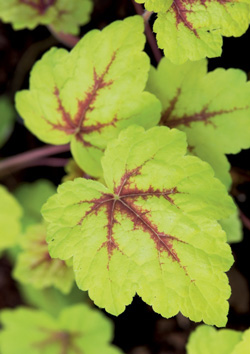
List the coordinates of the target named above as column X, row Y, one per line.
column 207, row 340
column 7, row 116
column 213, row 109
column 88, row 95
column 64, row 16
column 194, row 29
column 78, row 329
column 152, row 230
column 244, row 345
column 35, row 266
column 10, row 215
column 233, row 228
column 32, row 196
column 156, row 5
column 50, row 300
column 72, row 171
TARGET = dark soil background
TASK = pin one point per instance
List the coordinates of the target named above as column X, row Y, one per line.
column 138, row 330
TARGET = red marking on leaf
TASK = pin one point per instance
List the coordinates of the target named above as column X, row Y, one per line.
column 66, row 341
column 77, row 125
column 150, row 192
column 173, row 121
column 41, row 6
column 181, row 15
column 123, row 202
column 179, row 7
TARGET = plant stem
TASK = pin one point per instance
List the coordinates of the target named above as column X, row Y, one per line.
column 149, row 34
column 245, row 220
column 65, row 38
column 30, row 158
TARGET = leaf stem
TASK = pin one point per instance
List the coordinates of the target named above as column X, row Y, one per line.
column 31, row 158
column 65, row 38
column 245, row 220
column 149, row 34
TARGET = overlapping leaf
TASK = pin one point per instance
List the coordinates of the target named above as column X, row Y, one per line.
column 156, row 5
column 78, row 329
column 213, row 109
column 152, row 230
column 72, row 171
column 35, row 266
column 64, row 16
column 194, row 29
column 10, row 215
column 50, row 300
column 32, row 196
column 233, row 228
column 208, row 340
column 87, row 96
column 7, row 116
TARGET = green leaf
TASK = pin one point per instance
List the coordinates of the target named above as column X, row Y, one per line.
column 7, row 116
column 194, row 29
column 233, row 228
column 212, row 108
column 152, row 230
column 78, row 329
column 244, row 345
column 10, row 215
column 35, row 266
column 32, row 196
column 65, row 16
column 50, row 300
column 88, row 95
column 207, row 340
column 72, row 171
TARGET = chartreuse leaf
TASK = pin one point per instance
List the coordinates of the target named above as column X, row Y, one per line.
column 152, row 230
column 77, row 330
column 213, row 109
column 35, row 266
column 10, row 215
column 88, row 95
column 65, row 16
column 32, row 196
column 208, row 340
column 194, row 29
column 7, row 116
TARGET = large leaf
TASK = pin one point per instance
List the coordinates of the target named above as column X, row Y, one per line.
column 207, row 340
column 87, row 96
column 77, row 330
column 194, row 29
column 7, row 116
column 152, row 230
column 10, row 215
column 35, row 266
column 32, row 196
column 213, row 109
column 65, row 16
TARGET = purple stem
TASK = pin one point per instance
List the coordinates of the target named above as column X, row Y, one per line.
column 245, row 220
column 67, row 39
column 30, row 158
column 149, row 34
